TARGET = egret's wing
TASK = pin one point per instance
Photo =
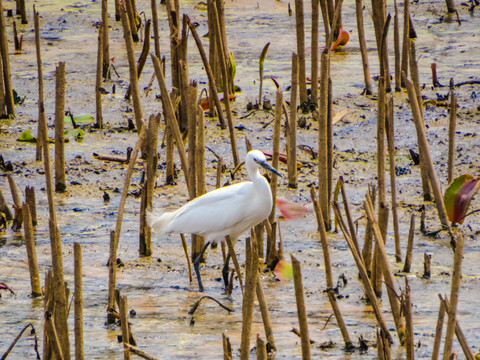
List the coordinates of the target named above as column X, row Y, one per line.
column 215, row 212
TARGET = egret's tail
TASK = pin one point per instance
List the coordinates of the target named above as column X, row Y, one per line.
column 158, row 223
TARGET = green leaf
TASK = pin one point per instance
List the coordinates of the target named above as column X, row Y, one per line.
column 233, row 67
column 26, row 136
column 80, row 118
column 76, row 133
column 458, row 196
column 262, row 56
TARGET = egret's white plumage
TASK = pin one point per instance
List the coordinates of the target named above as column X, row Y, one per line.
column 230, row 210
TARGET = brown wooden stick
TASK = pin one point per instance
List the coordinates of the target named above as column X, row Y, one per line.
column 31, row 252
column 451, row 134
column 459, row 333
column 405, row 41
column 292, row 124
column 145, row 240
column 143, row 56
column 78, row 296
column 408, row 254
column 60, row 182
column 407, row 311
column 14, row 190
column 363, row 274
column 301, row 72
column 226, row 92
column 363, row 47
column 438, row 329
column 139, row 352
column 210, row 74
column 424, row 149
column 390, row 124
column 454, row 292
column 156, row 36
column 251, row 276
column 98, row 82
column 227, row 347
column 396, row 47
column 128, row 33
column 323, row 138
column 41, row 111
column 340, row 321
column 112, row 279
column 267, row 324
column 32, row 204
column 387, row 272
column 301, row 310
column 105, row 42
column 323, row 238
column 131, row 12
column 4, row 207
column 7, row 80
column 314, row 47
column 348, row 215
column 123, row 305
column 172, row 122
column 276, row 150
column 233, row 255
column 261, row 349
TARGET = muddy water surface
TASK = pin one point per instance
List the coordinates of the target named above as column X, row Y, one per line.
column 158, row 288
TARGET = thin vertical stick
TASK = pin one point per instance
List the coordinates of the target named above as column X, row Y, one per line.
column 127, row 31
column 78, row 295
column 143, row 56
column 363, row 274
column 267, row 324
column 388, row 275
column 172, row 122
column 98, row 82
column 31, row 252
column 156, row 36
column 408, row 254
column 112, row 278
column 451, row 133
column 407, row 311
column 210, row 74
column 405, row 41
column 301, row 310
column 276, row 149
column 438, row 330
column 41, row 110
column 14, row 190
column 60, row 182
column 105, row 49
column 302, row 73
column 292, row 125
column 455, row 289
column 32, row 204
column 251, row 276
column 459, row 333
column 7, row 80
column 363, row 47
column 424, row 148
column 314, row 46
column 123, row 305
column 339, row 317
column 23, row 12
column 145, row 246
column 346, row 207
column 227, row 348
column 219, row 173
column 131, row 12
column 226, row 92
column 200, row 152
column 323, row 139
column 261, row 349
column 396, row 47
column 323, row 238
column 231, row 250
column 390, row 124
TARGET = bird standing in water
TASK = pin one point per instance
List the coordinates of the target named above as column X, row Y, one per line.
column 230, row 210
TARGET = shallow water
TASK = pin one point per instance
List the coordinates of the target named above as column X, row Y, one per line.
column 158, row 288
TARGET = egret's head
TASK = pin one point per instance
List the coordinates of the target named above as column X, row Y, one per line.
column 257, row 157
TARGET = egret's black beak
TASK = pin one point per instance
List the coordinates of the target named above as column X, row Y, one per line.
column 267, row 166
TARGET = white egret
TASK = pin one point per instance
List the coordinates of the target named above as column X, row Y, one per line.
column 230, row 210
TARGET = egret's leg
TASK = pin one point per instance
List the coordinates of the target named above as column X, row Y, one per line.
column 225, row 271
column 184, row 243
column 231, row 251
column 196, row 266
